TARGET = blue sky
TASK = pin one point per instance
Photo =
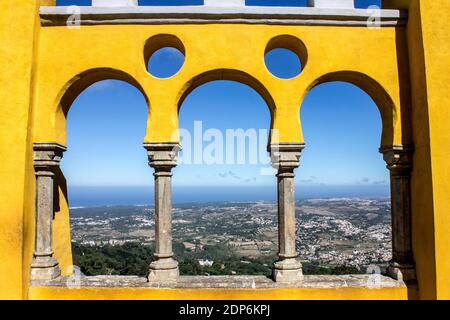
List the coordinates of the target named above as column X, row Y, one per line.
column 341, row 125
column 106, row 126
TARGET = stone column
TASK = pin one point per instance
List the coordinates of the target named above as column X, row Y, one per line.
column 285, row 158
column 47, row 157
column 399, row 163
column 163, row 157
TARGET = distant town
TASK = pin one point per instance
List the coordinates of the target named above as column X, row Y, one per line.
column 333, row 235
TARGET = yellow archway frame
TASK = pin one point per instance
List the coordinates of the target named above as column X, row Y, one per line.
column 50, row 54
column 71, row 59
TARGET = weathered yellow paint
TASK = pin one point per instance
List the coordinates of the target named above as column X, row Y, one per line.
column 395, row 293
column 17, row 56
column 43, row 69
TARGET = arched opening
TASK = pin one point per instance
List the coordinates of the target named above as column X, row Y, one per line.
column 376, row 92
column 342, row 183
column 75, row 86
column 109, row 181
column 225, row 216
column 229, row 75
column 285, row 56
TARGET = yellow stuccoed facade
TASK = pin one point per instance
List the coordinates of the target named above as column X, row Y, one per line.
column 405, row 69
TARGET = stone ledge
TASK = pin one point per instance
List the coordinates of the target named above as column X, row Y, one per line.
column 224, row 282
column 58, row 16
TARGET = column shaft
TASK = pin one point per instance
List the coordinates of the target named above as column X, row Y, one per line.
column 44, row 214
column 286, row 215
column 163, row 214
column 401, row 218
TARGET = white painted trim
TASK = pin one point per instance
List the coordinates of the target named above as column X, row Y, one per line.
column 349, row 4
column 54, row 16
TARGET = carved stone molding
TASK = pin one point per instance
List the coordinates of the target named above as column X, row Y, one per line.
column 47, row 156
column 151, row 15
column 285, row 155
column 162, row 154
column 398, row 158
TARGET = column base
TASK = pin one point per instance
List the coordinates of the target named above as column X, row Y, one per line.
column 45, row 268
column 163, row 270
column 402, row 272
column 287, row 271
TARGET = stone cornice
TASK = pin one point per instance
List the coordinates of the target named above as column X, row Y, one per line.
column 47, row 155
column 398, row 158
column 58, row 16
column 162, row 154
column 285, row 155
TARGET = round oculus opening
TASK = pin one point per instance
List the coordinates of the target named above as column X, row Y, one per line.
column 164, row 56
column 285, row 57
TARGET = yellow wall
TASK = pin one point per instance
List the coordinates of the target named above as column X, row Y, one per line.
column 404, row 69
column 81, row 51
column 349, row 293
column 436, row 50
column 429, row 55
column 17, row 55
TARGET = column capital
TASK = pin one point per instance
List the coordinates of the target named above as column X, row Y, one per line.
column 162, row 155
column 398, row 157
column 47, row 155
column 285, row 155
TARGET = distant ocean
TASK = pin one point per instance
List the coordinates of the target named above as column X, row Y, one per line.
column 107, row 196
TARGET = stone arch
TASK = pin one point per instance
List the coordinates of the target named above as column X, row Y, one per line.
column 230, row 75
column 398, row 157
column 375, row 90
column 82, row 81
column 243, row 79
column 75, row 86
column 53, row 148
